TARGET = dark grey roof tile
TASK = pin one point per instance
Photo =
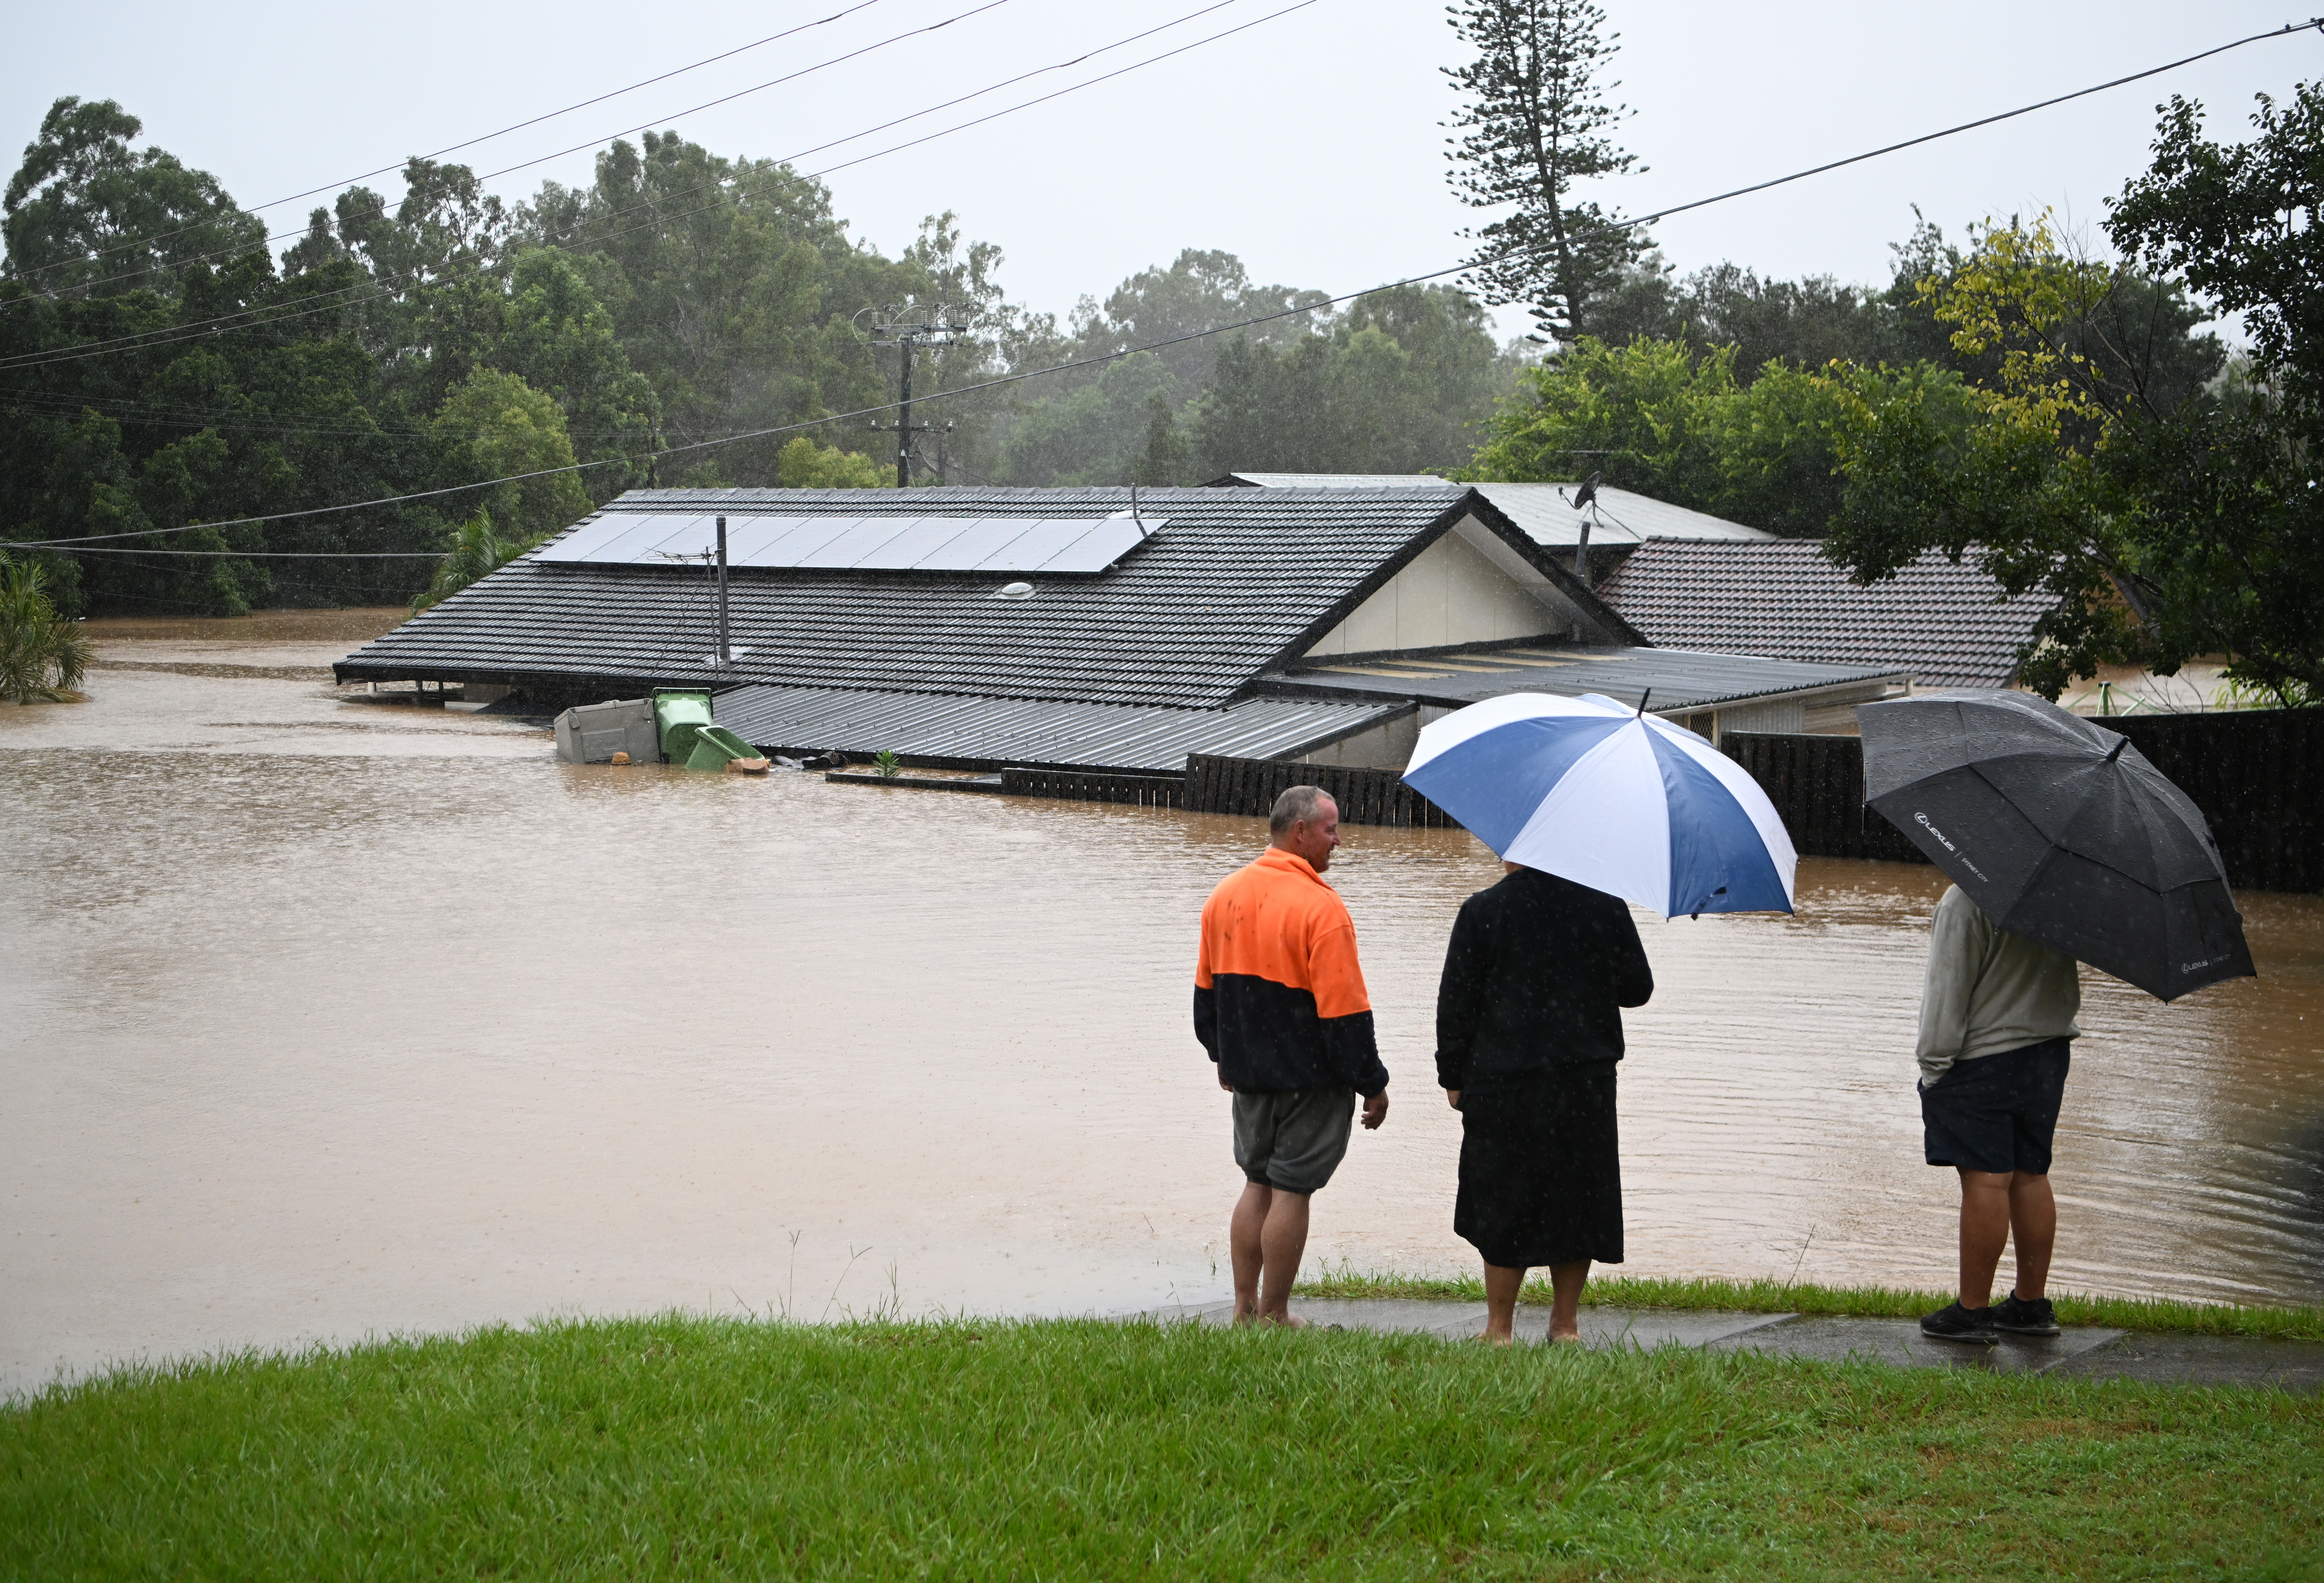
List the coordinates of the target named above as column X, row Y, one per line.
column 1947, row 624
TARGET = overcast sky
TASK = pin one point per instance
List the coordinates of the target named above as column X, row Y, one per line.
column 1309, row 144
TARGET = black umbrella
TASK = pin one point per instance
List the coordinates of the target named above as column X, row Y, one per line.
column 2062, row 831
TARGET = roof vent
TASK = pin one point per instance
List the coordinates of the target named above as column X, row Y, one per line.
column 1014, row 591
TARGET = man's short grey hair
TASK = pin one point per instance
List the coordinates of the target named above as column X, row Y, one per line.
column 1296, row 803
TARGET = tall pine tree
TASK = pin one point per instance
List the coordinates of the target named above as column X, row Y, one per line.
column 1537, row 120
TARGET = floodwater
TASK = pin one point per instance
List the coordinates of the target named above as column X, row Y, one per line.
column 326, row 1017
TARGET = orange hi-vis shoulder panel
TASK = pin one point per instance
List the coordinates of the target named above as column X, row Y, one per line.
column 1276, row 920
column 1279, row 998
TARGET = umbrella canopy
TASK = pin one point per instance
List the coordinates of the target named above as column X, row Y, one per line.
column 1608, row 797
column 2062, row 831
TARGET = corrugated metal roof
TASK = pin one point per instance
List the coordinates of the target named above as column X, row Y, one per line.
column 1239, row 579
column 1681, row 680
column 991, row 733
column 1623, row 516
column 1335, row 481
column 1945, row 623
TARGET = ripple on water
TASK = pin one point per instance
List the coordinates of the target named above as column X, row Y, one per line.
column 321, row 1032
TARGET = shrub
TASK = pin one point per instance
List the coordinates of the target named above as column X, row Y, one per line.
column 41, row 654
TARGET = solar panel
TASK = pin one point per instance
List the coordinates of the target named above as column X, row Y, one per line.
column 1080, row 544
column 1099, row 547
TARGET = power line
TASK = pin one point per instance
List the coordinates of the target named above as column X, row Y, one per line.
column 256, row 317
column 280, row 555
column 1105, row 357
column 471, row 143
column 526, row 164
column 381, row 208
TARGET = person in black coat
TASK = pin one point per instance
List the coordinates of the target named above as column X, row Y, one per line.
column 1528, row 1031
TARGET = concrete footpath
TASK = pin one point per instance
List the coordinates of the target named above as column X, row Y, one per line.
column 2086, row 1353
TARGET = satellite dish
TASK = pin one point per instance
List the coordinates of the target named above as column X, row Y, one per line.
column 1587, row 492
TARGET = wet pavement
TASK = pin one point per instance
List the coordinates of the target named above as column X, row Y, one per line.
column 2084, row 1352
column 324, row 1016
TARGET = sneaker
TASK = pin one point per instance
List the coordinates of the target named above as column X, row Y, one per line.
column 2023, row 1316
column 1955, row 1323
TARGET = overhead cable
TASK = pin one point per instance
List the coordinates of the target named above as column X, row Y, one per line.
column 366, row 290
column 680, row 114
column 470, row 142
column 1101, row 358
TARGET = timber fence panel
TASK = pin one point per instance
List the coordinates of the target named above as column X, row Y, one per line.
column 1817, row 785
column 1217, row 784
column 2258, row 777
column 1145, row 791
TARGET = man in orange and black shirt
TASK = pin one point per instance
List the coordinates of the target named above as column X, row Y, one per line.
column 1279, row 1003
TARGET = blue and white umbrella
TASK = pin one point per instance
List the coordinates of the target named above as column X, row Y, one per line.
column 1609, row 796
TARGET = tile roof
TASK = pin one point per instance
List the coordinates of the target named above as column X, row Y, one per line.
column 1236, row 579
column 982, row 734
column 1947, row 624
column 1679, row 680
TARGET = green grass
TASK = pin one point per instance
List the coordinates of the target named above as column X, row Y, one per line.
column 2125, row 1313
column 689, row 1446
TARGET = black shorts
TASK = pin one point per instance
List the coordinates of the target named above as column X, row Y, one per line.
column 1997, row 1112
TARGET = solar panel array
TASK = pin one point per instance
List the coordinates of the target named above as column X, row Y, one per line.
column 858, row 544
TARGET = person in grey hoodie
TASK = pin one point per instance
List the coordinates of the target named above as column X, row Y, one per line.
column 1996, row 1017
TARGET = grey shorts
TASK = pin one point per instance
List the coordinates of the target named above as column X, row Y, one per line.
column 1295, row 1139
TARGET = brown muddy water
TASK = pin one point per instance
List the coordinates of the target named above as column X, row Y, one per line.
column 326, row 1017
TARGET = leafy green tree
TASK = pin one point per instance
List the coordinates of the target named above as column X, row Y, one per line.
column 1201, row 291
column 1665, row 420
column 734, row 291
column 2162, row 523
column 1097, row 434
column 1536, row 120
column 804, row 465
column 556, row 337
column 1401, row 383
column 86, row 213
column 494, row 425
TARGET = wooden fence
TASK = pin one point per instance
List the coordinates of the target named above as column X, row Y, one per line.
column 2257, row 775
column 1145, row 791
column 1216, row 783
column 1817, row 785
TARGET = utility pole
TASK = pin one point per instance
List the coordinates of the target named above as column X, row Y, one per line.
column 726, row 648
column 938, row 332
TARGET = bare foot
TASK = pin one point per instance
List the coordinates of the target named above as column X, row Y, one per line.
column 1490, row 1339
column 1565, row 1337
column 1284, row 1322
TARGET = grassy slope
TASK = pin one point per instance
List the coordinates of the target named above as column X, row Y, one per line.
column 683, row 1447
column 2127, row 1313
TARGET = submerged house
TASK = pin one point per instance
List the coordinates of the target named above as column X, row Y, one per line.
column 1073, row 628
